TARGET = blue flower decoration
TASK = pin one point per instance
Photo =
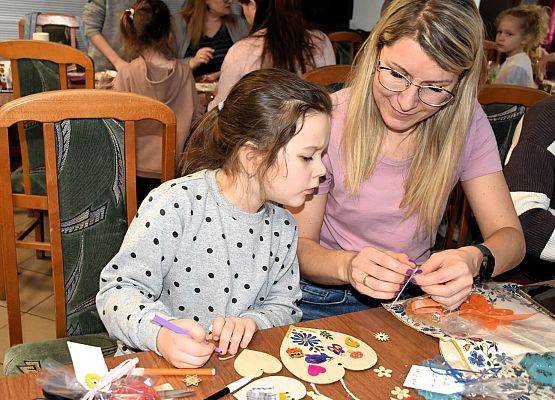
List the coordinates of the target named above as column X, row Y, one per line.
column 476, row 359
column 304, row 339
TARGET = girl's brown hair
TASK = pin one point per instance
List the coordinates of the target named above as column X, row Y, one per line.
column 147, row 25
column 264, row 108
column 534, row 22
column 193, row 14
column 287, row 42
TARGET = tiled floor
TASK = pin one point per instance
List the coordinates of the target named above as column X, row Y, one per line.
column 36, row 296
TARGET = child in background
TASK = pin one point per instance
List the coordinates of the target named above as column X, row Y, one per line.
column 520, row 30
column 213, row 248
column 146, row 30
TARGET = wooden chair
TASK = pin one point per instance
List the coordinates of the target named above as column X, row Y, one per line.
column 329, row 76
column 492, row 53
column 46, row 21
column 89, row 147
column 513, row 101
column 352, row 39
column 37, row 67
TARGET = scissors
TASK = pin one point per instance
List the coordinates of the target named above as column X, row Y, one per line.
column 175, row 393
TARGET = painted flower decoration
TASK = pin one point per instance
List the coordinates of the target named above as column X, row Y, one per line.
column 399, row 393
column 382, row 371
column 382, row 337
column 476, row 359
column 304, row 339
column 192, row 380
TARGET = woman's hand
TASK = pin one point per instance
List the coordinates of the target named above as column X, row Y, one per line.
column 183, row 351
column 119, row 64
column 379, row 274
column 203, row 56
column 233, row 332
column 448, row 275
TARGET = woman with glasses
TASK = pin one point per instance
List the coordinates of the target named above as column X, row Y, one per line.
column 404, row 132
column 204, row 32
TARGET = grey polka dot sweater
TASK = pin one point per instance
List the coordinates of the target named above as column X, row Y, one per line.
column 189, row 253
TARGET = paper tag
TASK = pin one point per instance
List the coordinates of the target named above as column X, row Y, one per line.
column 88, row 364
column 424, row 378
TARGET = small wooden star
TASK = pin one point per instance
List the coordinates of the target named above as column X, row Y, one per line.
column 192, row 380
column 382, row 337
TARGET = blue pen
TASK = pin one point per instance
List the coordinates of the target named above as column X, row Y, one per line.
column 174, row 328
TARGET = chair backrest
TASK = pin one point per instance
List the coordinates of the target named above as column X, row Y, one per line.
column 352, row 40
column 89, row 147
column 61, row 27
column 39, row 66
column 505, row 105
column 333, row 77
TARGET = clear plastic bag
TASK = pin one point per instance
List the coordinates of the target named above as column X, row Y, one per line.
column 58, row 381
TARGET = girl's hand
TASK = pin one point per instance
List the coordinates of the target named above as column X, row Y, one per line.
column 203, row 56
column 379, row 274
column 183, row 351
column 448, row 275
column 233, row 332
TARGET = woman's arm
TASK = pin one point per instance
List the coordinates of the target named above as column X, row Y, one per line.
column 370, row 271
column 101, row 44
column 448, row 275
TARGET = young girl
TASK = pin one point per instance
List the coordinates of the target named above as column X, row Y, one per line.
column 520, row 30
column 146, row 30
column 213, row 248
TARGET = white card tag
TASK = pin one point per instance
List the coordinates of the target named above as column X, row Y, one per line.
column 424, row 378
column 88, row 364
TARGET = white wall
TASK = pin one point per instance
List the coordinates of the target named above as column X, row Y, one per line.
column 367, row 12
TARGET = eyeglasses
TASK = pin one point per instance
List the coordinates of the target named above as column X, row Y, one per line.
column 395, row 81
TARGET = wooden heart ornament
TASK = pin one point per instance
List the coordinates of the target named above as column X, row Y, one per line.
column 322, row 356
column 255, row 363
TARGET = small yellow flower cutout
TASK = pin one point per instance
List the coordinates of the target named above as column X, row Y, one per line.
column 400, row 393
column 382, row 337
column 382, row 371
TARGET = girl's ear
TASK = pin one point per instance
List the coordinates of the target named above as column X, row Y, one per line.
column 250, row 158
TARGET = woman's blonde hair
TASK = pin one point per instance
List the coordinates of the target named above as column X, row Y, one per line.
column 451, row 33
column 193, row 14
column 534, row 22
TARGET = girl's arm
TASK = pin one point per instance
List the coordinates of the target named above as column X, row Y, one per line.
column 279, row 305
column 448, row 275
column 132, row 281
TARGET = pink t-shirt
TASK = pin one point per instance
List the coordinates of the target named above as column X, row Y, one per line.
column 373, row 217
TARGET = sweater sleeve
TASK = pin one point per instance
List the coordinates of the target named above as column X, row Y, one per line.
column 132, row 282
column 280, row 305
column 530, row 176
column 93, row 17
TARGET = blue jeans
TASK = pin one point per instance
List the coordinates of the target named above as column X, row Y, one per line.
column 325, row 301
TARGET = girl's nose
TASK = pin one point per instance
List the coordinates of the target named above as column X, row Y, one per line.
column 408, row 99
column 320, row 169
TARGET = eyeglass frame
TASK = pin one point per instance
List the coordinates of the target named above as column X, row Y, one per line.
column 380, row 67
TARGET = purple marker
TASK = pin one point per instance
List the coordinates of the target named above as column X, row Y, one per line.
column 174, row 328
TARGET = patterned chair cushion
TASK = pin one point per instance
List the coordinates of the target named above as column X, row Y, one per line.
column 503, row 119
column 91, row 190
column 28, row 357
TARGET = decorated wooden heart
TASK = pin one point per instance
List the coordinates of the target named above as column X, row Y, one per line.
column 255, row 363
column 322, row 356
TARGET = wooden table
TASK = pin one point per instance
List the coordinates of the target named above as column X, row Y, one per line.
column 404, row 348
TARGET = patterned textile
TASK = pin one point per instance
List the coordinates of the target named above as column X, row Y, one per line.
column 91, row 179
column 503, row 119
column 36, row 76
